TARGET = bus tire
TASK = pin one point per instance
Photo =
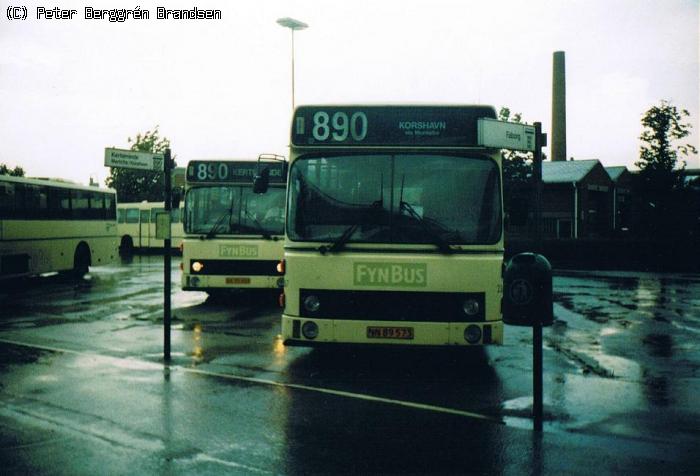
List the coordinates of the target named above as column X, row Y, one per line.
column 126, row 246
column 81, row 260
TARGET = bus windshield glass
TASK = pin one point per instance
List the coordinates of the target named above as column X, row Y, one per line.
column 234, row 210
column 400, row 199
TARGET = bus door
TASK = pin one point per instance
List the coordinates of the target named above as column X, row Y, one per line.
column 144, row 225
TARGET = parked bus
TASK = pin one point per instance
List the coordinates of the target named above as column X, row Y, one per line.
column 136, row 225
column 394, row 230
column 234, row 238
column 50, row 225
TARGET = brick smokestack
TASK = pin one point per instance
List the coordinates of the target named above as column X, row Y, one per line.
column 558, row 107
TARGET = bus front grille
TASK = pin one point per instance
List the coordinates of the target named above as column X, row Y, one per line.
column 235, row 267
column 392, row 305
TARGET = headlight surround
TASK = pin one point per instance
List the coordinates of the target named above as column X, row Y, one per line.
column 470, row 307
column 197, row 266
column 310, row 329
column 472, row 334
column 312, row 303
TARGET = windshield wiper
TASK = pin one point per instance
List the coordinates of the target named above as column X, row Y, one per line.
column 214, row 229
column 258, row 226
column 338, row 244
column 425, row 225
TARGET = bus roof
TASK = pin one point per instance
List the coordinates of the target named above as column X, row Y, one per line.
column 54, row 182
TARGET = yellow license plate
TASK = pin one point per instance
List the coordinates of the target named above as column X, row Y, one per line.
column 390, row 333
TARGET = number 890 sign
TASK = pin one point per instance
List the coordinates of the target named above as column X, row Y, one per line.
column 358, row 126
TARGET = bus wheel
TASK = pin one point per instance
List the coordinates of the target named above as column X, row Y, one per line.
column 81, row 260
column 126, row 247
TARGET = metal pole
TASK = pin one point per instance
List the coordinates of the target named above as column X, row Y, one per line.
column 537, row 375
column 292, row 69
column 537, row 175
column 166, row 258
column 540, row 141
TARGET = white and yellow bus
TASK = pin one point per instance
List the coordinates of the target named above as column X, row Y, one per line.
column 50, row 225
column 394, row 230
column 234, row 238
column 136, row 225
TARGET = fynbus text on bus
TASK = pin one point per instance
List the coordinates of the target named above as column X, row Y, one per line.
column 233, row 236
column 394, row 230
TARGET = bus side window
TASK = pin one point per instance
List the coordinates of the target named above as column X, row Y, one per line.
column 58, row 203
column 132, row 215
column 154, row 212
column 110, row 206
column 121, row 215
column 7, row 199
column 80, row 205
column 97, row 206
column 145, row 214
column 175, row 214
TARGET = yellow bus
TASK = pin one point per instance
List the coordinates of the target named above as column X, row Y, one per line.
column 234, row 238
column 394, row 230
column 49, row 226
column 136, row 226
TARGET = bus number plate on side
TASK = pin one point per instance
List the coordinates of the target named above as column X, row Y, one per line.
column 390, row 333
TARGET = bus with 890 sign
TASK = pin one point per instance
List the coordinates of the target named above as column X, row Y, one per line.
column 394, row 230
column 233, row 236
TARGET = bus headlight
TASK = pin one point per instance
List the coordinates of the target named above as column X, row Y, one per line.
column 312, row 303
column 471, row 307
column 197, row 266
column 310, row 330
column 472, row 334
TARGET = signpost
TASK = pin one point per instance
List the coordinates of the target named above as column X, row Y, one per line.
column 130, row 159
column 505, row 135
column 527, row 280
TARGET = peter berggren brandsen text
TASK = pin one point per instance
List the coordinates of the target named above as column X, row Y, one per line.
column 125, row 14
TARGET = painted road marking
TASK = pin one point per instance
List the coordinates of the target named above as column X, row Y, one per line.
column 259, row 381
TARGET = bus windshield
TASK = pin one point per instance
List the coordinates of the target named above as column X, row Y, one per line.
column 406, row 198
column 234, row 210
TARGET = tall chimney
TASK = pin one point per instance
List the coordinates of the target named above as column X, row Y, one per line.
column 558, row 107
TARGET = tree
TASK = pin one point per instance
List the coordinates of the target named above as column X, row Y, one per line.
column 659, row 164
column 663, row 200
column 16, row 172
column 137, row 185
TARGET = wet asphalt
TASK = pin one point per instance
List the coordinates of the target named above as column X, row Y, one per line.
column 84, row 389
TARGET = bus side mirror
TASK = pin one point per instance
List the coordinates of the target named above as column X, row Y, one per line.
column 527, row 291
column 261, row 181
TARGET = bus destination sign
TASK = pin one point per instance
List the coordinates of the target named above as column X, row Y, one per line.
column 233, row 171
column 388, row 125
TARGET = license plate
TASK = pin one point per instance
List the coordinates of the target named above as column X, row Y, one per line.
column 390, row 333
column 237, row 280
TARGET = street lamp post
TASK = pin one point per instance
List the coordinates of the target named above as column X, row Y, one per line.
column 292, row 24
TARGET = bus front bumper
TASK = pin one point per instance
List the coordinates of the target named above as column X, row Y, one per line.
column 205, row 282
column 303, row 331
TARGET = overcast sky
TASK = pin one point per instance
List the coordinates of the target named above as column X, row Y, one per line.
column 222, row 88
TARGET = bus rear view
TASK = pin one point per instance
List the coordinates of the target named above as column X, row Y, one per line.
column 394, row 230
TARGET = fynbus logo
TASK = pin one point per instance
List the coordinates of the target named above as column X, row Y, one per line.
column 400, row 275
column 238, row 251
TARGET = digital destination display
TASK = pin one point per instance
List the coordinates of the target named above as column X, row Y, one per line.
column 234, row 172
column 388, row 125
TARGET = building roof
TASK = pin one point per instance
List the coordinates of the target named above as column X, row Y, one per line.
column 615, row 171
column 567, row 171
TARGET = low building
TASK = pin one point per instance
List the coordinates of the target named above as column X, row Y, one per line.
column 577, row 202
column 621, row 197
